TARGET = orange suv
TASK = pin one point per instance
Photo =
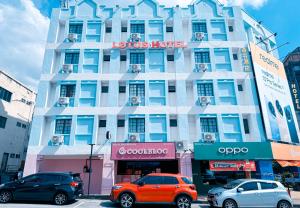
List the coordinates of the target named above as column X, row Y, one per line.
column 155, row 188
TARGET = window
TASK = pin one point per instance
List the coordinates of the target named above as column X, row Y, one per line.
column 230, row 28
column 108, row 29
column 19, row 124
column 173, row 122
column 12, row 155
column 209, row 125
column 246, row 126
column 50, row 178
column 124, row 29
column 104, row 89
column 186, row 180
column 72, row 58
column 24, row 126
column 102, row 123
column 67, row 90
column 153, row 180
column 169, row 180
column 106, row 58
column 169, row 29
column 5, row 94
column 205, row 89
column 31, row 178
column 137, row 58
column 235, row 57
column 172, row 88
column 240, row 88
column 137, row 28
column 18, row 156
column 202, row 57
column 121, row 123
column 170, row 57
column 3, row 122
column 123, row 58
column 199, row 27
column 63, row 126
column 137, row 90
column 264, row 185
column 122, row 89
column 75, row 28
column 23, row 100
column 136, row 125
column 251, row 186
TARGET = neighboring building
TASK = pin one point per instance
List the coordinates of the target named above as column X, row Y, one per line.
column 16, row 108
column 292, row 69
column 105, row 71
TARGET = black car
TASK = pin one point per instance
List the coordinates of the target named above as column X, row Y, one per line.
column 58, row 188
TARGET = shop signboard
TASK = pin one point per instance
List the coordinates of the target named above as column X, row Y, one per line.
column 275, row 98
column 153, row 44
column 143, row 151
column 227, row 165
column 233, row 151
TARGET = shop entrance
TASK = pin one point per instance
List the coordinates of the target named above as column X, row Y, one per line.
column 128, row 171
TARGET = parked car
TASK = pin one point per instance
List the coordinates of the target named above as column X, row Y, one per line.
column 156, row 188
column 250, row 193
column 58, row 188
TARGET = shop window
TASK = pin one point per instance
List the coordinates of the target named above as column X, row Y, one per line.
column 173, row 122
column 121, row 123
column 246, row 126
column 251, row 186
column 102, row 123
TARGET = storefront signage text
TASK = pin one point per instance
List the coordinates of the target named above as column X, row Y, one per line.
column 233, row 150
column 123, row 151
column 295, row 95
column 153, row 44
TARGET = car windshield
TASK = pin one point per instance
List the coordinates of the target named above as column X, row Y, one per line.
column 232, row 184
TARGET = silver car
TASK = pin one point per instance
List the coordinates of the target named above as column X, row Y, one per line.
column 250, row 193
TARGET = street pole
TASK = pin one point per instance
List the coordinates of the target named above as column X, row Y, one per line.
column 90, row 168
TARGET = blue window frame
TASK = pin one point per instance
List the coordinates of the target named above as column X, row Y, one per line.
column 67, row 90
column 137, row 58
column 5, row 94
column 202, row 57
column 63, row 126
column 209, row 125
column 199, row 27
column 205, row 89
column 75, row 28
column 136, row 125
column 72, row 58
column 137, row 28
column 137, row 90
column 3, row 122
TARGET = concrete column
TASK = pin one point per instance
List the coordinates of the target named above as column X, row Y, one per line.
column 108, row 175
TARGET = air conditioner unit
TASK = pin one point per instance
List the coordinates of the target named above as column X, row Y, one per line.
column 201, row 67
column 57, row 140
column 67, row 68
column 134, row 138
column 136, row 68
column 63, row 101
column 72, row 37
column 135, row 100
column 135, row 36
column 209, row 137
column 179, row 146
column 199, row 35
column 204, row 100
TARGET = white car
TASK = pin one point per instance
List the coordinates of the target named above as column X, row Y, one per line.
column 250, row 193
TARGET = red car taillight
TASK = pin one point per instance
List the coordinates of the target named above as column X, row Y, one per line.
column 192, row 187
column 74, row 184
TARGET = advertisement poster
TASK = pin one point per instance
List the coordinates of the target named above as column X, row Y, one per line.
column 232, row 166
column 275, row 97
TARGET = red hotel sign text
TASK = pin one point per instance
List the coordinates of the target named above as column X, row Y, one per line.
column 153, row 44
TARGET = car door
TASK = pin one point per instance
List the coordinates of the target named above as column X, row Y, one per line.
column 168, row 188
column 47, row 186
column 249, row 197
column 267, row 194
column 26, row 188
column 149, row 192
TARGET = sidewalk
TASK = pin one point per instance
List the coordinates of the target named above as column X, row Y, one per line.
column 296, row 197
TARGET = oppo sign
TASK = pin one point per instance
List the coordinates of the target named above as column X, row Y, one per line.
column 233, row 150
column 123, row 151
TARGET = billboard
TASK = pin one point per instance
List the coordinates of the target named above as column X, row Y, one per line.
column 275, row 97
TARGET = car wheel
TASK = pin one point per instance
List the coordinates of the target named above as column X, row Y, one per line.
column 183, row 202
column 60, row 199
column 229, row 203
column 126, row 200
column 284, row 204
column 5, row 196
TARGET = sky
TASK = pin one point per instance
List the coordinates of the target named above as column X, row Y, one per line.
column 24, row 26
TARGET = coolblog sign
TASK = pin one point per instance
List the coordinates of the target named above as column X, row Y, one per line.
column 233, row 150
column 142, row 151
column 153, row 44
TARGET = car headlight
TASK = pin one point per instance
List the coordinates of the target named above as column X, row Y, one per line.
column 116, row 187
column 218, row 193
